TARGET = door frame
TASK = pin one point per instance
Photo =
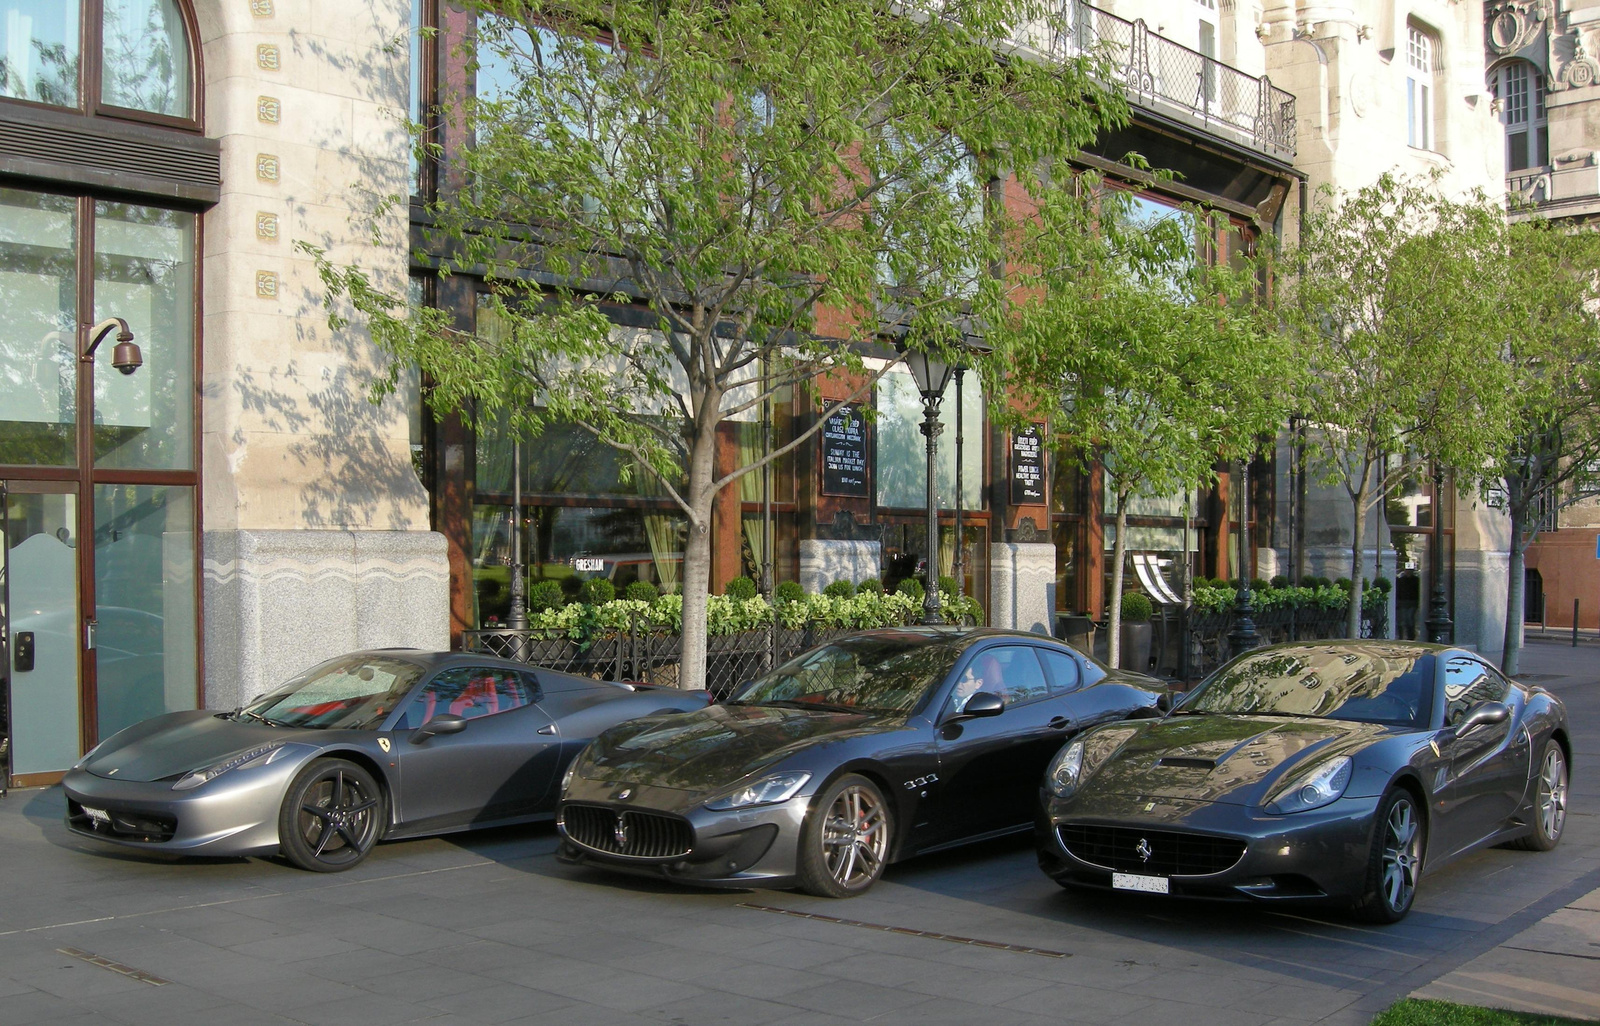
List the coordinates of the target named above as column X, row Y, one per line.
column 52, row 485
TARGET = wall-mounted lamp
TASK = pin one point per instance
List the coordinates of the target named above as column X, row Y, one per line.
column 125, row 357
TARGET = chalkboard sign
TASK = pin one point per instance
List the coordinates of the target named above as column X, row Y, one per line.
column 1027, row 468
column 844, row 453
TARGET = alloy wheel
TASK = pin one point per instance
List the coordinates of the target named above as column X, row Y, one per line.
column 854, row 839
column 1553, row 793
column 1402, row 855
column 337, row 819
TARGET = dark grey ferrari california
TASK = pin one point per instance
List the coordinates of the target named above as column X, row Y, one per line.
column 390, row 743
column 878, row 746
column 1332, row 770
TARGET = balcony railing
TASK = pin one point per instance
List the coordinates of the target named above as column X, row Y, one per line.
column 1161, row 75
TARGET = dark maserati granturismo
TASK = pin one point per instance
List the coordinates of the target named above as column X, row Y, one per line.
column 1338, row 771
column 858, row 753
column 391, row 743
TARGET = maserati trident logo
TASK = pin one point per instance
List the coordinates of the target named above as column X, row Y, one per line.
column 619, row 833
column 1143, row 849
column 622, row 795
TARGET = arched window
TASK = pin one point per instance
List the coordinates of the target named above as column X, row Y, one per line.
column 1516, row 85
column 1421, row 62
column 140, row 61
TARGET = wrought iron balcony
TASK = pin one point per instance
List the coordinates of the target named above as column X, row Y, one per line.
column 1163, row 76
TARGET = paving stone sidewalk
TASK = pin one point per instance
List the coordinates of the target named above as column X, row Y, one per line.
column 489, row 928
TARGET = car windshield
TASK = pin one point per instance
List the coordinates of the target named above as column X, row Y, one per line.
column 351, row 693
column 871, row 674
column 1368, row 683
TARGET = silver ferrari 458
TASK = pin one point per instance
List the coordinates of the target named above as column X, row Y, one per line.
column 370, row 745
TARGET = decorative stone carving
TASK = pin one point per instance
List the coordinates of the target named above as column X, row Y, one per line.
column 267, row 284
column 845, row 528
column 1026, row 532
column 267, row 167
column 269, row 109
column 1511, row 25
column 268, row 57
column 1573, row 61
column 266, row 226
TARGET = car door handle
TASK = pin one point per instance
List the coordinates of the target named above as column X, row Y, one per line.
column 1060, row 723
column 548, row 728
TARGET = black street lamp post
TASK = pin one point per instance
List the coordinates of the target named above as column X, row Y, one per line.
column 1243, row 637
column 517, row 616
column 932, row 376
column 1441, row 630
column 959, row 563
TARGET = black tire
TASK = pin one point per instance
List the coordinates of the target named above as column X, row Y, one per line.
column 1549, row 812
column 1399, row 846
column 331, row 816
column 845, row 841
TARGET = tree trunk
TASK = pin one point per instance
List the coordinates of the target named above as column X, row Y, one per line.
column 697, row 557
column 1114, row 613
column 1352, row 623
column 1511, row 655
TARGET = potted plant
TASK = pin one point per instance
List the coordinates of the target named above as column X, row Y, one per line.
column 1136, row 613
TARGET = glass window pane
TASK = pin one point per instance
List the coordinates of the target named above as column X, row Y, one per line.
column 144, row 273
column 902, row 461
column 38, row 293
column 144, row 555
column 146, row 57
column 38, row 543
column 39, row 51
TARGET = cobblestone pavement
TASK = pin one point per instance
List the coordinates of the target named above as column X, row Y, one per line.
column 489, row 928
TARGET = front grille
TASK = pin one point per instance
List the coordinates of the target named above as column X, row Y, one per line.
column 1152, row 852
column 123, row 824
column 642, row 835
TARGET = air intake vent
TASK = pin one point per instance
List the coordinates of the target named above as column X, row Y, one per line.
column 1156, row 852
column 106, row 153
column 630, row 832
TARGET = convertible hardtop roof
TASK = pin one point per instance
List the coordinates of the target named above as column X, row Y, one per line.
column 432, row 661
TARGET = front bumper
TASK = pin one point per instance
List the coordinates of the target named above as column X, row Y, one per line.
column 234, row 815
column 1321, row 854
column 687, row 842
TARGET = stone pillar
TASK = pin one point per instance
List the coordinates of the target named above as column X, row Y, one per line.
column 1022, row 579
column 823, row 561
column 316, row 527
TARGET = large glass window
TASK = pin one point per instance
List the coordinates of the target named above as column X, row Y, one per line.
column 144, row 273
column 145, row 60
column 902, row 462
column 144, row 557
column 38, row 332
column 1419, row 87
column 1517, row 87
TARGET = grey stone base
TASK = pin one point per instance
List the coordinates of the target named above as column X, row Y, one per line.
column 277, row 602
column 1022, row 582
column 1480, row 609
column 823, row 561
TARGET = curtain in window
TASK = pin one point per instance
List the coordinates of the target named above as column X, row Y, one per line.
column 947, row 552
column 751, row 448
column 661, row 531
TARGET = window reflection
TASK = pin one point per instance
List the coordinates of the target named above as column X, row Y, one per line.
column 39, row 51
column 145, row 57
column 38, row 292
column 902, row 461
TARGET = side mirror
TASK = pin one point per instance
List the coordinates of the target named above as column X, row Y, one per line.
column 1480, row 715
column 984, row 703
column 1168, row 699
column 444, row 723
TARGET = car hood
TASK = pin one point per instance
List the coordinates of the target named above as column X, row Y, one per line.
column 172, row 745
column 714, row 747
column 1231, row 759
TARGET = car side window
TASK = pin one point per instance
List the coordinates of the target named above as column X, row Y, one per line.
column 1010, row 671
column 1467, row 681
column 469, row 692
column 1064, row 675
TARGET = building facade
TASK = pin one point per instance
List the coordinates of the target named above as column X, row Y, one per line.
column 1546, row 79
column 236, row 509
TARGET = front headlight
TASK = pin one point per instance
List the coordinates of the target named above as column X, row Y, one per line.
column 769, row 790
column 1313, row 790
column 1065, row 771
column 572, row 771
column 252, row 758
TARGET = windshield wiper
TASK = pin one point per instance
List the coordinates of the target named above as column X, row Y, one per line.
column 257, row 716
column 797, row 703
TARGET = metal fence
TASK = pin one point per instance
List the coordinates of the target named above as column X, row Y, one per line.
column 1159, row 73
column 1206, row 634
column 652, row 657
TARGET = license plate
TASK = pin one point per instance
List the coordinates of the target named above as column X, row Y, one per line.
column 1134, row 882
column 97, row 815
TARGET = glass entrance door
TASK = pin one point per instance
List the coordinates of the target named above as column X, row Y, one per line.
column 40, row 627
